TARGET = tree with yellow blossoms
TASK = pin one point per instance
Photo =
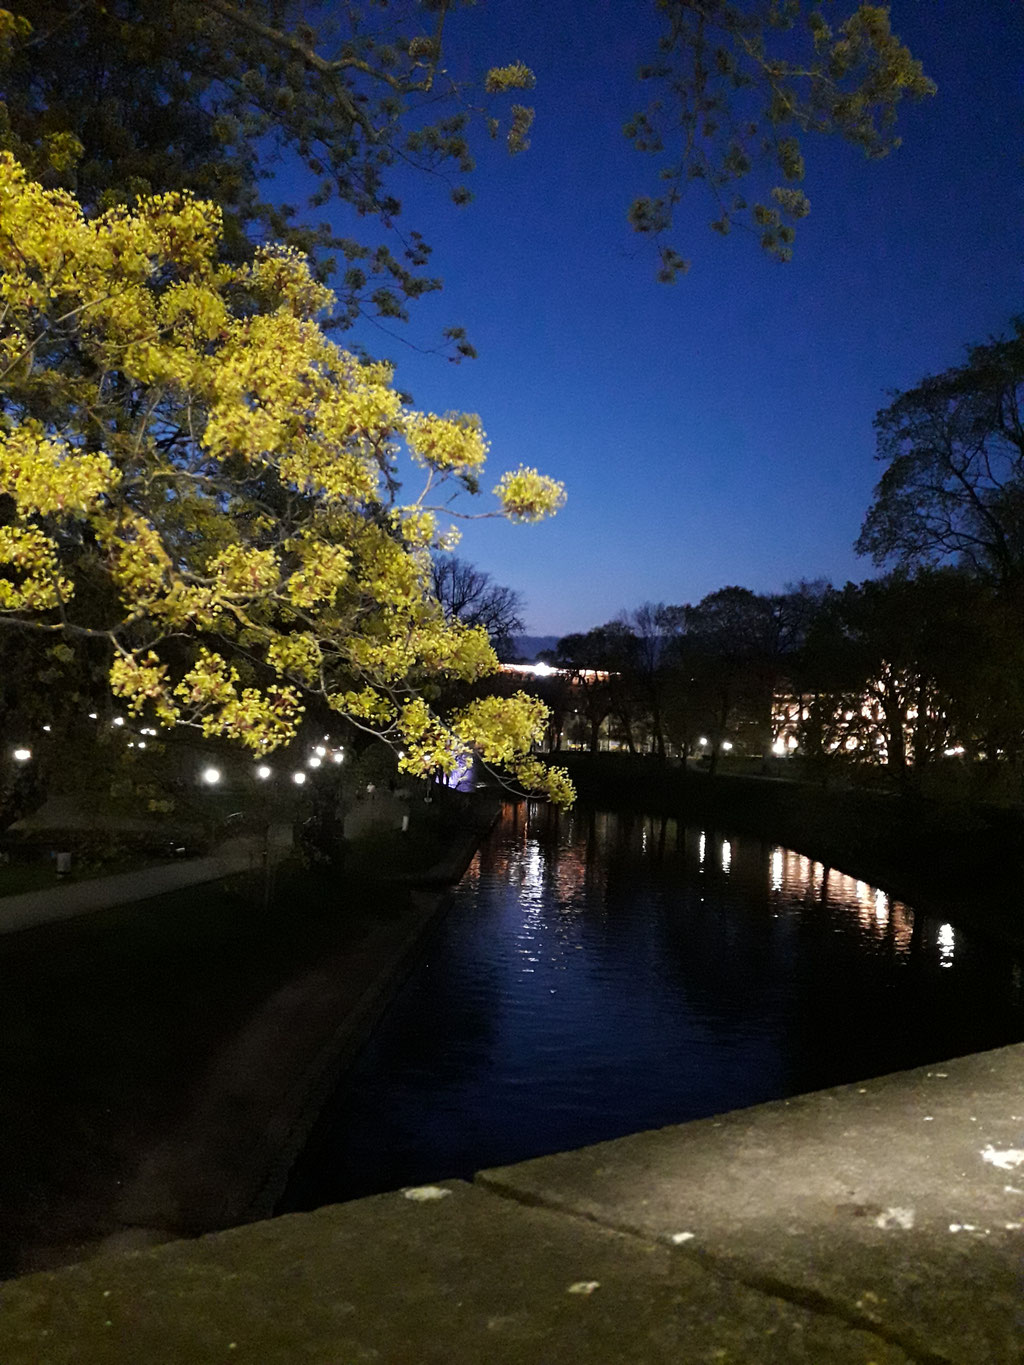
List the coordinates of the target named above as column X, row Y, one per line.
column 193, row 474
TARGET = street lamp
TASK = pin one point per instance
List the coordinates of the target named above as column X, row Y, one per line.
column 298, row 778
column 211, row 776
column 22, row 755
column 263, row 772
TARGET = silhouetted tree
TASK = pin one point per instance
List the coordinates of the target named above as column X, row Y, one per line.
column 953, row 489
column 470, row 595
column 731, row 648
column 654, row 628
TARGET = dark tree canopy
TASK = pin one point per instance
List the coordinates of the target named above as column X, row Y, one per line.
column 953, row 490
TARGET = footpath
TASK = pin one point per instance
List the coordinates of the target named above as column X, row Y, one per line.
column 873, row 1224
column 65, row 900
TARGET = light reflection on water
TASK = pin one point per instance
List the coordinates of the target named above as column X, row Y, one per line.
column 603, row 973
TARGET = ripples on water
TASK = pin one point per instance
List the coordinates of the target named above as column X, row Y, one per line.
column 604, row 973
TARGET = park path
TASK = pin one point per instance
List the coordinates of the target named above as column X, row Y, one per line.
column 65, row 900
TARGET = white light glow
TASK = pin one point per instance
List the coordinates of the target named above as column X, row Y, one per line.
column 211, row 776
column 337, row 758
column 777, row 870
column 46, row 728
column 298, row 778
column 947, row 945
column 263, row 772
column 22, row 755
column 726, row 855
column 702, row 740
column 313, row 762
column 727, row 744
column 779, row 747
column 118, row 720
column 320, row 751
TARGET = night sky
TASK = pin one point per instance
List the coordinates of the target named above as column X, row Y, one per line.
column 718, row 431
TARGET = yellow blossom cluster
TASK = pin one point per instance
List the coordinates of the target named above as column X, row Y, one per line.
column 37, row 584
column 447, row 443
column 181, row 436
column 526, row 495
column 507, row 726
column 48, row 477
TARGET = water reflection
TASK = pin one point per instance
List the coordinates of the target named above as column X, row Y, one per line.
column 603, row 973
column 793, row 875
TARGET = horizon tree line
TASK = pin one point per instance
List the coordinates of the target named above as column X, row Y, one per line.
column 899, row 673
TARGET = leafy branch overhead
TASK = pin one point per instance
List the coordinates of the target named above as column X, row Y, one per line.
column 135, row 97
column 195, row 476
column 735, row 89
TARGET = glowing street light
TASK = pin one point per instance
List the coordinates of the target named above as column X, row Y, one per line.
column 298, row 778
column 263, row 772
column 22, row 755
column 727, row 744
column 320, row 751
column 211, row 776
column 337, row 757
column 118, row 720
column 313, row 762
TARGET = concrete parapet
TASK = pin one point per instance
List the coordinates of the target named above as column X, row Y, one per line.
column 447, row 1275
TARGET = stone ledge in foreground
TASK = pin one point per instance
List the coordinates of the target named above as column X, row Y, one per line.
column 897, row 1202
column 455, row 1274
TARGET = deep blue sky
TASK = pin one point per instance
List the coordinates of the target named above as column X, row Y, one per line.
column 718, row 431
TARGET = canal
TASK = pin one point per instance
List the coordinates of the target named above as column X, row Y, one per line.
column 603, row 973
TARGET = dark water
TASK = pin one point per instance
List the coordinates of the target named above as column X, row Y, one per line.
column 600, row 974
